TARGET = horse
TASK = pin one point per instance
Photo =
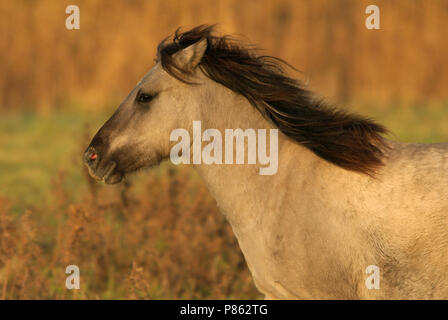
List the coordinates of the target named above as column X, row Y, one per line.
column 344, row 198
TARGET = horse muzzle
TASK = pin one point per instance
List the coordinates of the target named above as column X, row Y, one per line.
column 101, row 169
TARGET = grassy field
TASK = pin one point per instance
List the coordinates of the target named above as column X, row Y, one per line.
column 37, row 148
column 140, row 239
column 411, row 123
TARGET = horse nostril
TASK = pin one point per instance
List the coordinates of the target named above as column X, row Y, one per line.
column 90, row 157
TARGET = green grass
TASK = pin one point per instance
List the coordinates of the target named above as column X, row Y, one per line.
column 35, row 148
column 417, row 123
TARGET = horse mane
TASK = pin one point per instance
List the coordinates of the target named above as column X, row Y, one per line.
column 349, row 141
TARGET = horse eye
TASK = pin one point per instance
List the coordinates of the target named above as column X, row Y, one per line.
column 144, row 98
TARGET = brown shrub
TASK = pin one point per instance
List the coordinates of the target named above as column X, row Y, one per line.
column 162, row 240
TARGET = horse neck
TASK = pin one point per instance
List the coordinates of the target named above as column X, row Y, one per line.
column 243, row 195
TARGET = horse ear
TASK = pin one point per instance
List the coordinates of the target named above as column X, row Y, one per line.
column 189, row 57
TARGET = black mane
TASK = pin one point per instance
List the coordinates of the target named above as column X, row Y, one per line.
column 349, row 141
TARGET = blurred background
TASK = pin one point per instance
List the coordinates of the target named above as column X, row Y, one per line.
column 159, row 235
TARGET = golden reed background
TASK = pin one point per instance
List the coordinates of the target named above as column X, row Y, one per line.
column 159, row 235
column 45, row 66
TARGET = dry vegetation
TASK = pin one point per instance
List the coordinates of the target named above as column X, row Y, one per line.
column 45, row 66
column 165, row 241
